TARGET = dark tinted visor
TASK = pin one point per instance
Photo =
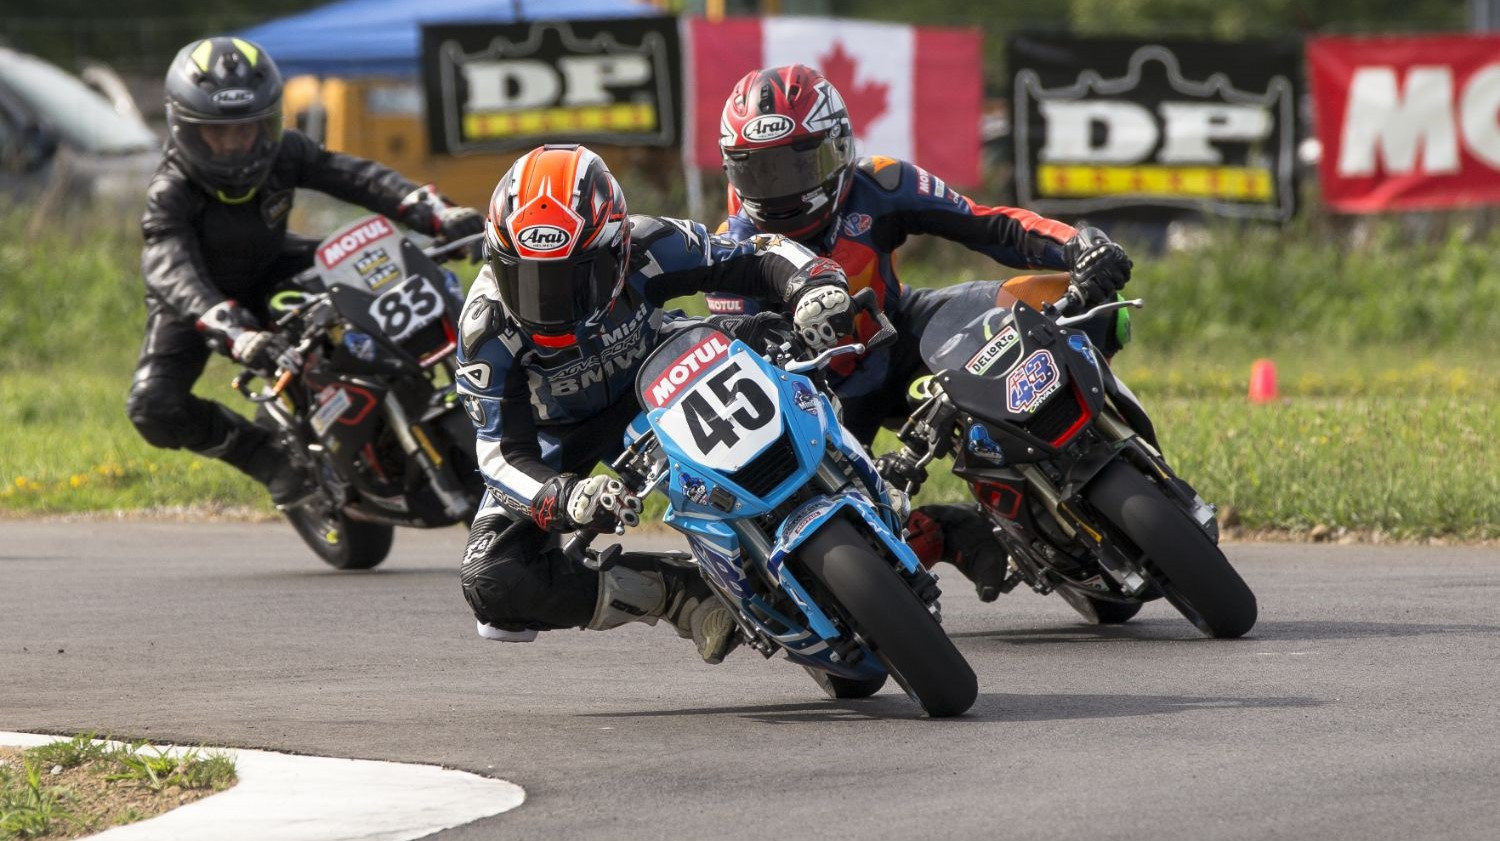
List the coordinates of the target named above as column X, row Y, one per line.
column 782, row 171
column 554, row 297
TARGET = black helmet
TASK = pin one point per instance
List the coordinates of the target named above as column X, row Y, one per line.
column 224, row 114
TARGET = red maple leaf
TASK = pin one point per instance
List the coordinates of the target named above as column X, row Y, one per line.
column 867, row 101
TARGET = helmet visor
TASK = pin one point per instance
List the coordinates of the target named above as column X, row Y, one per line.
column 232, row 151
column 782, row 171
column 555, row 297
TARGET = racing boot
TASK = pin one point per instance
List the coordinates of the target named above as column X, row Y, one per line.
column 656, row 591
column 257, row 454
column 960, row 535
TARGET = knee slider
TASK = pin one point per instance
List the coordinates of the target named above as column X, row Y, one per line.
column 161, row 415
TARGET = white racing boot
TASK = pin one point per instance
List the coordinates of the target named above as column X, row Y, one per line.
column 679, row 596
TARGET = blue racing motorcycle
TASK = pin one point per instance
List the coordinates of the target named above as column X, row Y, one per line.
column 787, row 519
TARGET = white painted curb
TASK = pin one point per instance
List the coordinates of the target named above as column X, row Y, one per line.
column 315, row 798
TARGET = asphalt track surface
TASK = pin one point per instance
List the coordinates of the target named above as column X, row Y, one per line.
column 1363, row 706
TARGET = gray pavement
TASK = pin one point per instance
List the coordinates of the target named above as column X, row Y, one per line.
column 1362, row 706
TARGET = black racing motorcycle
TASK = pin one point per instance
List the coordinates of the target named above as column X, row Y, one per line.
column 372, row 416
column 1064, row 461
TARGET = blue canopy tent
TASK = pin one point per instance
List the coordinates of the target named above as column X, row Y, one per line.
column 384, row 37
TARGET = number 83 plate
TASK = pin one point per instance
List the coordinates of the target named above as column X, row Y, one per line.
column 408, row 308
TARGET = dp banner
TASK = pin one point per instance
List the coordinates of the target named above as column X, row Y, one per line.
column 502, row 86
column 1407, row 123
column 1111, row 123
column 913, row 92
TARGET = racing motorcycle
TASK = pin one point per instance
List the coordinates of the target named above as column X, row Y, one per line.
column 786, row 517
column 372, row 416
column 1064, row 461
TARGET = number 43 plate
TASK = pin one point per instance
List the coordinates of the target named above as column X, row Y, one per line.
column 408, row 308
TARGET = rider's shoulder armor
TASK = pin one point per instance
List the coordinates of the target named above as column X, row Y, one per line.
column 482, row 318
column 884, row 171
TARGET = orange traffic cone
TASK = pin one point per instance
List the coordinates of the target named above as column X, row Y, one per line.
column 1263, row 382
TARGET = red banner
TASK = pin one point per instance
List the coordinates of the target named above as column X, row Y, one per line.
column 1407, row 123
column 913, row 92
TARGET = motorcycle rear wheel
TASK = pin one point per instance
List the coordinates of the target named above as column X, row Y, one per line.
column 891, row 620
column 1191, row 571
column 341, row 542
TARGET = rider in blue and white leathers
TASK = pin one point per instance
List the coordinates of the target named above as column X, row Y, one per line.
column 548, row 354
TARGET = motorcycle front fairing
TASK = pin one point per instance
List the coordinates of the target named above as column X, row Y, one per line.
column 742, row 439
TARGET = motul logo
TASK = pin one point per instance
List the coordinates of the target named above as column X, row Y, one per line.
column 543, row 237
column 767, row 127
column 340, row 246
column 1417, row 122
column 685, row 368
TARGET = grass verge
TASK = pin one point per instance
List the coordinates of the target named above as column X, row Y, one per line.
column 79, row 786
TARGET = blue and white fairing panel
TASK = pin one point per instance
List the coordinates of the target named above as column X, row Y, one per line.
column 716, row 406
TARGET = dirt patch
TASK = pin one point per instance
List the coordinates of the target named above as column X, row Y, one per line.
column 84, row 799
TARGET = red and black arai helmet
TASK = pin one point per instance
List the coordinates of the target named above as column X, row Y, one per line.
column 558, row 241
column 788, row 149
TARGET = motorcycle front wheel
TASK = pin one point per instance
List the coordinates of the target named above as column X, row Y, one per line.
column 1191, row 571
column 341, row 542
column 890, row 619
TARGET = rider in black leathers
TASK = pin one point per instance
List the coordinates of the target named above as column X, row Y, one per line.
column 216, row 239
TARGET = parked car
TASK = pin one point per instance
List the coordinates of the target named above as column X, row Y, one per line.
column 61, row 139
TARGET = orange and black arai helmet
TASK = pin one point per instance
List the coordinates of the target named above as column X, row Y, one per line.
column 558, row 240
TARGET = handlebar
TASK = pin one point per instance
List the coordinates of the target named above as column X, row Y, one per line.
column 447, row 248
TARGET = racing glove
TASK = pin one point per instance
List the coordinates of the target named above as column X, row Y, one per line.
column 900, row 468
column 1100, row 266
column 425, row 210
column 261, row 350
column 822, row 311
column 598, row 503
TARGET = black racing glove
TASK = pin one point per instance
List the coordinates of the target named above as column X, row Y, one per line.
column 759, row 331
column 900, row 468
column 241, row 336
column 1099, row 265
column 598, row 503
column 425, row 210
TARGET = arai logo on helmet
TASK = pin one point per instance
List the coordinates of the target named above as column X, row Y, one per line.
column 768, row 127
column 233, row 97
column 544, row 238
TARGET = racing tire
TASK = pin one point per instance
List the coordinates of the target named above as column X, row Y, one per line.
column 844, row 688
column 1099, row 611
column 1190, row 569
column 341, row 542
column 890, row 619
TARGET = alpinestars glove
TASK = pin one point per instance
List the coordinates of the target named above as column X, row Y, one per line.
column 822, row 311
column 1100, row 266
column 240, row 334
column 598, row 503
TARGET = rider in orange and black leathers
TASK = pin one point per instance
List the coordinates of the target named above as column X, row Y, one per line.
column 788, row 150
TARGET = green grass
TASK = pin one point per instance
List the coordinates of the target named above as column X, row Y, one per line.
column 155, row 769
column 1385, row 340
column 29, row 809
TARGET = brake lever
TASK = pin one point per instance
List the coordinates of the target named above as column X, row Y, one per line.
column 864, row 299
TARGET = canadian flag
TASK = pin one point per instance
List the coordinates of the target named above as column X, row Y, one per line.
column 913, row 92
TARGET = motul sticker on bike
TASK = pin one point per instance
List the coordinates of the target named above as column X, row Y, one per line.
column 987, row 356
column 345, row 243
column 698, row 358
column 1031, row 382
column 333, row 402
